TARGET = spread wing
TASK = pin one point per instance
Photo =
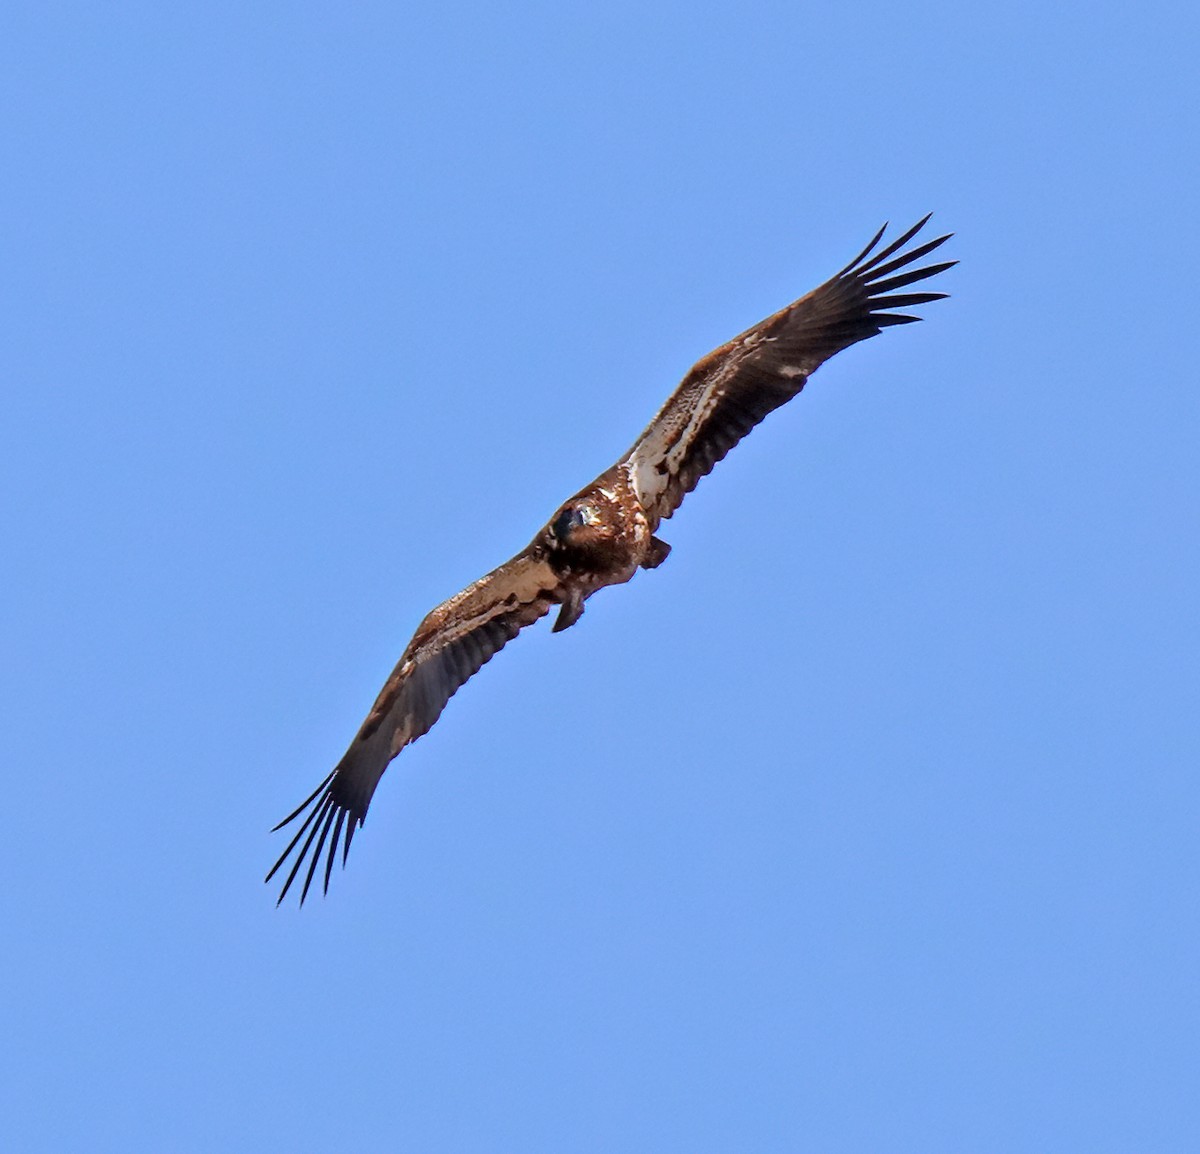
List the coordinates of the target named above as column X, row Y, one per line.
column 450, row 645
column 727, row 393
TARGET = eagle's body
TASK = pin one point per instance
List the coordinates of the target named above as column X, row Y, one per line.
column 601, row 536
column 606, row 532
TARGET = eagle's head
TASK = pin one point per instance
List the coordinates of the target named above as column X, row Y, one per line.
column 581, row 535
column 570, row 519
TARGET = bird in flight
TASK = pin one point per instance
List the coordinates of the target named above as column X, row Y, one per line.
column 606, row 532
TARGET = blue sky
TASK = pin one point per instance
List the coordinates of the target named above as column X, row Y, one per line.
column 866, row 823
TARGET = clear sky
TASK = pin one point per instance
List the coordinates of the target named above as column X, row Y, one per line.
column 868, row 823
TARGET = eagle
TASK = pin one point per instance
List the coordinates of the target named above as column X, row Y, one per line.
column 608, row 531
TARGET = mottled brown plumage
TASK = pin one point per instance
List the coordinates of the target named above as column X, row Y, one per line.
column 605, row 533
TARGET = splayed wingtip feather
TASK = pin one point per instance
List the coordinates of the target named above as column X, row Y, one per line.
column 305, row 803
column 898, row 243
column 873, row 242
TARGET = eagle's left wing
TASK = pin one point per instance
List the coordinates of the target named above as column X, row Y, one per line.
column 450, row 645
column 729, row 391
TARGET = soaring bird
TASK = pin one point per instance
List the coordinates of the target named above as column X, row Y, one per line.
column 606, row 532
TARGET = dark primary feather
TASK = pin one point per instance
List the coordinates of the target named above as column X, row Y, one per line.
column 449, row 647
column 732, row 389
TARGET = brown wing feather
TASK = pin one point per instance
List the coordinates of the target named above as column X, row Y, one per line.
column 728, row 392
column 450, row 645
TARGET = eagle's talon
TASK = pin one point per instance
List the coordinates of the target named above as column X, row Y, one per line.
column 571, row 611
column 656, row 554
